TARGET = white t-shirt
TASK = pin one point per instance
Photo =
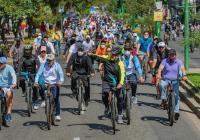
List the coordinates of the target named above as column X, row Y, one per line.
column 73, row 48
column 50, row 45
column 87, row 46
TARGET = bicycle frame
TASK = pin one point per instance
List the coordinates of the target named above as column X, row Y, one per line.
column 3, row 108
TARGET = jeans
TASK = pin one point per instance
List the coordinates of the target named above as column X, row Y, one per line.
column 132, row 79
column 175, row 86
column 55, row 90
column 57, row 44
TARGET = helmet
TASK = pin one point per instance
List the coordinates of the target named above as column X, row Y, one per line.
column 50, row 57
column 135, row 34
column 116, row 50
column 161, row 44
column 28, row 51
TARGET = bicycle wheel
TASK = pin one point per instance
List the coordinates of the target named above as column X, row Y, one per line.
column 171, row 107
column 3, row 110
column 48, row 111
column 52, row 107
column 113, row 113
column 29, row 101
column 128, row 107
column 80, row 98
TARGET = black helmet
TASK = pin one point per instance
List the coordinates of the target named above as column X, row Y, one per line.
column 172, row 51
column 116, row 50
column 28, row 51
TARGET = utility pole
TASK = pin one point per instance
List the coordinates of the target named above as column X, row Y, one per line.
column 186, row 35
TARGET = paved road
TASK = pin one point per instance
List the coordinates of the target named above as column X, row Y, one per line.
column 149, row 121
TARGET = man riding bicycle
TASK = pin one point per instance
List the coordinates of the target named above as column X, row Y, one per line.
column 81, row 65
column 51, row 73
column 169, row 71
column 114, row 76
column 7, row 83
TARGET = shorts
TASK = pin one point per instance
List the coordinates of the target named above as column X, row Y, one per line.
column 5, row 90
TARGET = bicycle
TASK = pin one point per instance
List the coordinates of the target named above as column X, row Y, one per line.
column 127, row 101
column 28, row 91
column 81, row 93
column 144, row 66
column 112, row 106
column 50, row 106
column 3, row 108
column 170, row 103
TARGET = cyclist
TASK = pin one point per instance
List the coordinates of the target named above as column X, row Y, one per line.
column 49, row 45
column 43, row 55
column 37, row 41
column 16, row 52
column 57, row 37
column 169, row 70
column 132, row 66
column 7, row 83
column 29, row 63
column 51, row 73
column 162, row 53
column 81, row 65
column 143, row 44
column 114, row 71
column 88, row 44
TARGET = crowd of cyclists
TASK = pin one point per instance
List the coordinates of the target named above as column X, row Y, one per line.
column 94, row 41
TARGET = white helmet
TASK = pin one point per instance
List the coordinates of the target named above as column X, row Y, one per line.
column 161, row 44
column 134, row 34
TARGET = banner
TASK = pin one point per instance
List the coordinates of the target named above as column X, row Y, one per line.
column 158, row 16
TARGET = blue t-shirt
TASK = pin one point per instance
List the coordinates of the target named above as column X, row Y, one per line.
column 144, row 44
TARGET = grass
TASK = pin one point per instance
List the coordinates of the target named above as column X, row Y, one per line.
column 195, row 79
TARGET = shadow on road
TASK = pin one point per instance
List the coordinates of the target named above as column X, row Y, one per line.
column 147, row 95
column 42, row 125
column 161, row 120
column 21, row 112
column 95, row 126
column 96, row 100
column 74, row 111
column 153, row 105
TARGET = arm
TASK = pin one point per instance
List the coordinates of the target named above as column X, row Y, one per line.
column 89, row 62
column 60, row 72
column 13, row 75
column 122, row 73
column 69, row 64
column 137, row 66
column 11, row 51
column 39, row 73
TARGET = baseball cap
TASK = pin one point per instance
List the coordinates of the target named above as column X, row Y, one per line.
column 50, row 57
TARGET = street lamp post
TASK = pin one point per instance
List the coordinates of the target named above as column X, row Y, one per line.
column 186, row 35
column 158, row 26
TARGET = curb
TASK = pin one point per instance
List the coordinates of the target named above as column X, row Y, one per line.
column 191, row 90
column 189, row 103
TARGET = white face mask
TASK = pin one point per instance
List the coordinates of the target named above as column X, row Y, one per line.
column 127, row 53
column 80, row 53
column 39, row 37
column 103, row 46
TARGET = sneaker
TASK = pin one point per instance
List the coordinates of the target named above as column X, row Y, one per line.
column 8, row 118
column 43, row 104
column 57, row 118
column 134, row 100
column 176, row 116
column 35, row 106
column 119, row 119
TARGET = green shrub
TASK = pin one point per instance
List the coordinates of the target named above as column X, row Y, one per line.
column 5, row 48
column 28, row 41
column 195, row 79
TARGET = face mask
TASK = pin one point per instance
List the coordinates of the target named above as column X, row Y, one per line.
column 39, row 37
column 127, row 53
column 88, row 40
column 172, row 59
column 103, row 46
column 80, row 53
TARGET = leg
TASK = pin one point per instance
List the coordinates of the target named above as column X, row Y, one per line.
column 163, row 89
column 9, row 94
column 177, row 97
column 56, row 93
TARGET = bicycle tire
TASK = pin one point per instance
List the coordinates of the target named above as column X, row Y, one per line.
column 80, row 97
column 113, row 113
column 128, row 108
column 52, row 110
column 29, row 101
column 47, row 111
column 4, row 111
column 171, row 108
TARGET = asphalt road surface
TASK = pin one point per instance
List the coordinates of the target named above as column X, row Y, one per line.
column 149, row 122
